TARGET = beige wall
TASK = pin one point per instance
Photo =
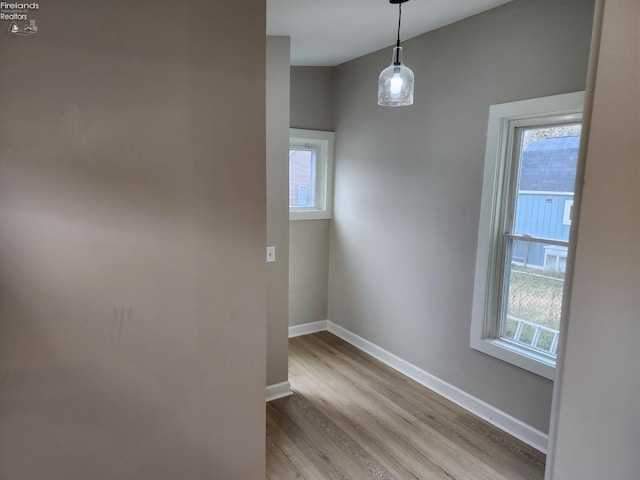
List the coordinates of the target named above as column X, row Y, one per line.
column 277, row 207
column 409, row 181
column 312, row 109
column 132, row 213
column 597, row 419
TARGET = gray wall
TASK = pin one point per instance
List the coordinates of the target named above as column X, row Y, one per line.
column 309, row 271
column 312, row 109
column 312, row 98
column 408, row 186
column 132, row 272
column 598, row 422
column 277, row 110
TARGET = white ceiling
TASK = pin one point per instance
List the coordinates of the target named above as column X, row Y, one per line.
column 331, row 32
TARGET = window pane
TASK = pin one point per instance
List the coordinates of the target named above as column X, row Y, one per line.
column 546, row 181
column 534, row 282
column 302, row 177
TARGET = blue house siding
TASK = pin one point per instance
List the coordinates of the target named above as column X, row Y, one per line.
column 539, row 215
column 547, row 174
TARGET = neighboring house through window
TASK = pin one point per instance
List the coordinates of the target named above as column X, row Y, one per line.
column 524, row 236
column 310, row 174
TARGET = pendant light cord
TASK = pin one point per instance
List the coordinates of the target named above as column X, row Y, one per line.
column 399, row 18
column 397, row 52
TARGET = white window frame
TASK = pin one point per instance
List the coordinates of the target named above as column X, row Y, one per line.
column 566, row 217
column 485, row 318
column 323, row 142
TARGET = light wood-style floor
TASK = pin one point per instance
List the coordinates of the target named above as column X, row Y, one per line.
column 352, row 417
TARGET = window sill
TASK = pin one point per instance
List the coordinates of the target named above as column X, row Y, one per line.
column 309, row 215
column 520, row 357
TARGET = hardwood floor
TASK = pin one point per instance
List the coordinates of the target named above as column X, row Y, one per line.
column 352, row 417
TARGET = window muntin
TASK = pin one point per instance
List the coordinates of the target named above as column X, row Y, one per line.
column 522, row 243
column 310, row 174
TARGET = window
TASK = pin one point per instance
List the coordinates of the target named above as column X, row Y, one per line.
column 310, row 174
column 523, row 240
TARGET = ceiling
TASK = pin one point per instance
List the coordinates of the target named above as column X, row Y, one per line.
column 331, row 32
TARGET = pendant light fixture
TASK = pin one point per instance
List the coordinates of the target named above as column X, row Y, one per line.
column 395, row 85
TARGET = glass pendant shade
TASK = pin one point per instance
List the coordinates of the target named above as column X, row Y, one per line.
column 395, row 85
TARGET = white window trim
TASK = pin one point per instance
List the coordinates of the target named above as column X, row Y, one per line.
column 324, row 141
column 496, row 154
column 566, row 217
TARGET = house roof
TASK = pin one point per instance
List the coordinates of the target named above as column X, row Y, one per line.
column 549, row 165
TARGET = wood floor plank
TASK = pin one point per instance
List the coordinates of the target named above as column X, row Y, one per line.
column 308, row 414
column 281, row 451
column 479, row 436
column 378, row 434
column 279, row 466
column 352, row 417
column 428, row 447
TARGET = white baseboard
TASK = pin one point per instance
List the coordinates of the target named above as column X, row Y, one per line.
column 278, row 390
column 494, row 416
column 307, row 328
